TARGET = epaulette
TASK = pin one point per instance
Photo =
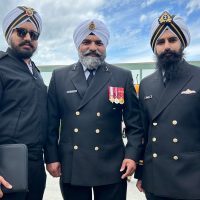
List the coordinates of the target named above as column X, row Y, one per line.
column 3, row 54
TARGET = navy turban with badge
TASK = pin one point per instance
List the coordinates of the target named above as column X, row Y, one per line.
column 87, row 27
column 172, row 22
column 18, row 16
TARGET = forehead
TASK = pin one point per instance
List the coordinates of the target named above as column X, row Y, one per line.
column 92, row 38
column 28, row 25
column 167, row 34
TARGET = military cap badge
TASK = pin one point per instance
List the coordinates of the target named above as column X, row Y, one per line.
column 29, row 11
column 92, row 26
column 165, row 17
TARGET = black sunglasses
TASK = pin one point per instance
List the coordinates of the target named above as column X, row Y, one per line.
column 22, row 32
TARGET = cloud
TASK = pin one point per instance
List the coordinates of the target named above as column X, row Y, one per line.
column 148, row 3
column 192, row 52
column 129, row 22
column 194, row 30
column 149, row 17
column 143, row 18
column 59, row 21
column 192, row 6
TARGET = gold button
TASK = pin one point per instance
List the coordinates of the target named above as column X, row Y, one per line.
column 76, row 130
column 154, row 139
column 97, row 130
column 77, row 113
column 155, row 155
column 175, row 140
column 96, row 148
column 98, row 114
column 174, row 122
column 141, row 162
column 155, row 123
column 75, row 147
column 175, row 157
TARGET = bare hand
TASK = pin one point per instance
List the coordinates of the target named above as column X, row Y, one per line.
column 5, row 184
column 139, row 186
column 54, row 169
column 130, row 167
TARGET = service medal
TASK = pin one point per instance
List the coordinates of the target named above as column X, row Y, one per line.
column 116, row 95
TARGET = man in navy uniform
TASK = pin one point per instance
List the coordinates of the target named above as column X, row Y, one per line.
column 171, row 113
column 23, row 97
column 90, row 97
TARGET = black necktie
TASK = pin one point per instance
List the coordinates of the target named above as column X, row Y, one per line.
column 90, row 77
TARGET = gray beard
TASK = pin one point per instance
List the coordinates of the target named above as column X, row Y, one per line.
column 91, row 62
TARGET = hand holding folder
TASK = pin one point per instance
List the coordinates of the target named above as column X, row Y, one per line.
column 5, row 184
column 14, row 167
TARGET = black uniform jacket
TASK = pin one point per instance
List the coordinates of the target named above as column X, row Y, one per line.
column 171, row 117
column 90, row 146
column 23, row 105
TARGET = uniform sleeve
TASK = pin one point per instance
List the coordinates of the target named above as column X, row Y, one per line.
column 133, row 122
column 51, row 149
column 145, row 121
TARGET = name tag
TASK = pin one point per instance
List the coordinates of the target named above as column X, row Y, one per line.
column 148, row 97
column 71, row 91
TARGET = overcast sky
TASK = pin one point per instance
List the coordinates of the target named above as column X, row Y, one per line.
column 129, row 22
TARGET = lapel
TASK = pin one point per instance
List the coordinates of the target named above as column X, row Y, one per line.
column 157, row 85
column 78, row 78
column 101, row 77
column 173, row 88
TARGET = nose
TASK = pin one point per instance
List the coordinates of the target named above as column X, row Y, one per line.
column 167, row 45
column 93, row 46
column 27, row 37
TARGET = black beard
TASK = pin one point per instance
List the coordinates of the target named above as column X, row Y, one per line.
column 23, row 54
column 168, row 62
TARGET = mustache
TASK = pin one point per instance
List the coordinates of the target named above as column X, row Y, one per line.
column 167, row 52
column 26, row 43
column 90, row 53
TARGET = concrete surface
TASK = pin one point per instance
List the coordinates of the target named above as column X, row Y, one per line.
column 52, row 191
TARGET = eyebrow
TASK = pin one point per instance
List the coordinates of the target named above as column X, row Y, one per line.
column 163, row 39
column 89, row 40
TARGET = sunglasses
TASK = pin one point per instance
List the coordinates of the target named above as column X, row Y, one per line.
column 22, row 32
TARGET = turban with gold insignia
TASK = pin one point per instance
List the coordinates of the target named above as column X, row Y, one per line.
column 18, row 16
column 174, row 23
column 87, row 27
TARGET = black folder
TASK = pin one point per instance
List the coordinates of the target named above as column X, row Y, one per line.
column 14, row 167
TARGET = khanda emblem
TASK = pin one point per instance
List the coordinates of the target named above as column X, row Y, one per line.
column 165, row 17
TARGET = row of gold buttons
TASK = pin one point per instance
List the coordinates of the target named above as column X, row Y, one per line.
column 78, row 113
column 76, row 148
column 174, row 122
column 76, row 130
column 175, row 140
column 155, row 155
